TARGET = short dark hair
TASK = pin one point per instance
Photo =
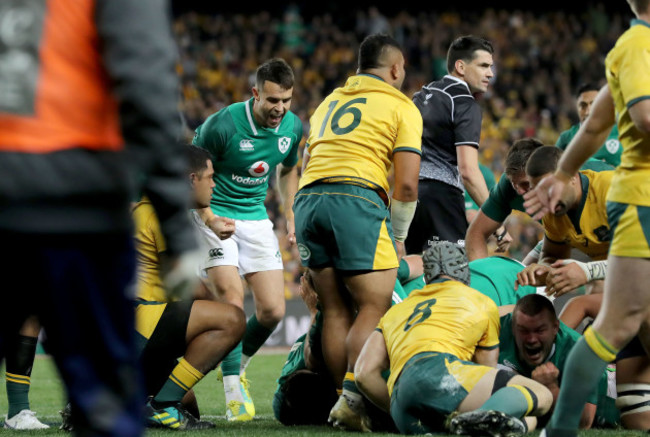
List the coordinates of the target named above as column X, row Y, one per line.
column 275, row 70
column 465, row 47
column 543, row 161
column 306, row 398
column 372, row 48
column 639, row 6
column 518, row 154
column 587, row 86
column 196, row 158
column 534, row 304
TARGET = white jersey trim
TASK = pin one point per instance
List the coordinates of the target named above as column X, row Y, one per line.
column 249, row 115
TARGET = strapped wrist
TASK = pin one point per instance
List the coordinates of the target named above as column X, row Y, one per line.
column 401, row 215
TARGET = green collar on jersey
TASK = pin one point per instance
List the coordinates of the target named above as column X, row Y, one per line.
column 371, row 75
column 636, row 21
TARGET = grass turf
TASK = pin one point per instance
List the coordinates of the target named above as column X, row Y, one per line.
column 47, row 399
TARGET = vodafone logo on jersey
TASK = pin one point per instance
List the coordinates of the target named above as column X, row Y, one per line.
column 259, row 169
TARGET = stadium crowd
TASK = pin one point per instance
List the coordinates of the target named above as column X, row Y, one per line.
column 428, row 184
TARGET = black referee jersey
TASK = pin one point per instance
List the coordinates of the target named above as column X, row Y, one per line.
column 451, row 117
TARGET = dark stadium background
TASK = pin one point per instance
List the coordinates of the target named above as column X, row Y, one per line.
column 344, row 9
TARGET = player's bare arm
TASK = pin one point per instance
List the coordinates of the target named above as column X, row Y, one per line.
column 372, row 361
column 288, row 187
column 550, row 192
column 471, row 173
column 477, row 235
column 486, row 357
column 405, row 195
column 223, row 227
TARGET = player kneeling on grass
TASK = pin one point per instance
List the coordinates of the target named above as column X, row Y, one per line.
column 441, row 345
column 202, row 332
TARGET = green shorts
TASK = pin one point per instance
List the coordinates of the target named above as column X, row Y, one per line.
column 430, row 387
column 343, row 226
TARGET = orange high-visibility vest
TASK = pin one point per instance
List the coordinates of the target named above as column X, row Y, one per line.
column 72, row 104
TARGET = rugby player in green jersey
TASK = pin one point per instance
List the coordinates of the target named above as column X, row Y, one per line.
column 610, row 152
column 535, row 344
column 248, row 141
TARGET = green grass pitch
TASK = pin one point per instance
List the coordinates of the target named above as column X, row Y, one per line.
column 46, row 398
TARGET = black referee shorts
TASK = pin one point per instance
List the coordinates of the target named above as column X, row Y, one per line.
column 440, row 215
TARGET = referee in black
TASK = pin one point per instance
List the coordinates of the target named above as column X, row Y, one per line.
column 450, row 141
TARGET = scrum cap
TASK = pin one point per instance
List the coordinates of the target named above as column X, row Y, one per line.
column 445, row 258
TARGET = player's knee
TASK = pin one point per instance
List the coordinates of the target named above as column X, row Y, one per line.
column 271, row 316
column 618, row 332
column 538, row 395
column 632, row 402
column 544, row 400
column 236, row 322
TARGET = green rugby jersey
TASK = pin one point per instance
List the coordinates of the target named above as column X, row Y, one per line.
column 244, row 155
column 503, row 198
column 495, row 277
column 610, row 152
column 564, row 341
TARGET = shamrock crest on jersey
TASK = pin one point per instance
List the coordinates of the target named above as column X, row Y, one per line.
column 244, row 155
column 283, row 144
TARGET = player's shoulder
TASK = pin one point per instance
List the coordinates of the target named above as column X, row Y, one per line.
column 566, row 336
column 143, row 206
column 565, row 137
column 637, row 35
column 223, row 117
column 294, row 122
column 143, row 213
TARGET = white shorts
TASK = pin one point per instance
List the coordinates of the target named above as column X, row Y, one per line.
column 252, row 248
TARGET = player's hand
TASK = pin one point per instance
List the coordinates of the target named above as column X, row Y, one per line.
column 179, row 274
column 223, row 227
column 548, row 196
column 291, row 232
column 534, row 274
column 307, row 292
column 564, row 277
column 546, row 374
column 503, row 239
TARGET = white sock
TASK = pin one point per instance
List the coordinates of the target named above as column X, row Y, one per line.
column 355, row 402
column 245, row 359
column 231, row 388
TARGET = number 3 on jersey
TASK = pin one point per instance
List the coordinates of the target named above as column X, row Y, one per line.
column 346, row 108
column 421, row 312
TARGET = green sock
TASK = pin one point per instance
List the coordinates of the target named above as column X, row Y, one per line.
column 582, row 371
column 183, row 377
column 20, row 359
column 513, row 400
column 255, row 336
column 231, row 362
column 17, row 393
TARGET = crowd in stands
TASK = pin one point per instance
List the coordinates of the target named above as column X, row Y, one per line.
column 540, row 60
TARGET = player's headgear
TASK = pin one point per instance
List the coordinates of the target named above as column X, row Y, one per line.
column 445, row 258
